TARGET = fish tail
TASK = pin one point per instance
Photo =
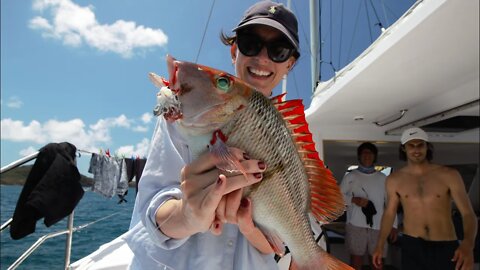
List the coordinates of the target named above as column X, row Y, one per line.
column 324, row 261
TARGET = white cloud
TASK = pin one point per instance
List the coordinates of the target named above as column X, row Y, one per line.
column 140, row 129
column 18, row 132
column 14, row 102
column 27, row 151
column 146, row 117
column 74, row 131
column 141, row 149
column 75, row 25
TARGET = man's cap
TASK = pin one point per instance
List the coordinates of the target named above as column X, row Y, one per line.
column 412, row 134
column 272, row 14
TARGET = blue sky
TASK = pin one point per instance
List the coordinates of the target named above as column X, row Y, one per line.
column 76, row 71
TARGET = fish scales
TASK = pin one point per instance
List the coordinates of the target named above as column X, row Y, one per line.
column 283, row 195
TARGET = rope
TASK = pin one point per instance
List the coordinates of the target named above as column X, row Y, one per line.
column 204, row 31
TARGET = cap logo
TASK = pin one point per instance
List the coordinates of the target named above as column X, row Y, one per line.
column 411, row 133
column 272, row 9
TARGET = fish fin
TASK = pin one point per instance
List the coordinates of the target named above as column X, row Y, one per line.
column 274, row 240
column 278, row 99
column 158, row 81
column 327, row 202
column 227, row 161
column 324, row 261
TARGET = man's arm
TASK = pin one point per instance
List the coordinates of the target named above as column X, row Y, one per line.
column 464, row 254
column 388, row 217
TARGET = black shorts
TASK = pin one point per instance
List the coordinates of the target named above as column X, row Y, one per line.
column 421, row 254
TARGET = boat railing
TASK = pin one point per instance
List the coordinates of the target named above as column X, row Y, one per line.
column 69, row 231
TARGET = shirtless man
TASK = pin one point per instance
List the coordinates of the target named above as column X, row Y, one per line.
column 425, row 191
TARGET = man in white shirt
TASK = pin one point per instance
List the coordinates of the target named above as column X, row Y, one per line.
column 364, row 193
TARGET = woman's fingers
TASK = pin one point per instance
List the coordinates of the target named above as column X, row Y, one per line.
column 211, row 198
column 216, row 227
column 220, row 211
column 244, row 216
column 232, row 204
column 207, row 161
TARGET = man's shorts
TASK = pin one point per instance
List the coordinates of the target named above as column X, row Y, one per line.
column 419, row 254
column 360, row 240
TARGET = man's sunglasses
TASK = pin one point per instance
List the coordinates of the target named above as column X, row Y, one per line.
column 278, row 50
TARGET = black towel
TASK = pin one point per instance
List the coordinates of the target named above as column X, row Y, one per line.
column 52, row 190
column 369, row 211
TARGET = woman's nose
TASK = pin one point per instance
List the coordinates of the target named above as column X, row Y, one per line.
column 263, row 54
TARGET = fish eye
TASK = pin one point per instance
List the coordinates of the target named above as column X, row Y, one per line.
column 223, row 83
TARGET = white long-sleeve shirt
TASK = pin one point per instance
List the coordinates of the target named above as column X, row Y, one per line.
column 368, row 186
column 160, row 182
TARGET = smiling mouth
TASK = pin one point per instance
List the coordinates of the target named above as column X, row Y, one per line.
column 258, row 72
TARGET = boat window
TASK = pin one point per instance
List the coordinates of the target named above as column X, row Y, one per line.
column 454, row 124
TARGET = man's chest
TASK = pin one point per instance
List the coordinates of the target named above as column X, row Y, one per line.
column 427, row 188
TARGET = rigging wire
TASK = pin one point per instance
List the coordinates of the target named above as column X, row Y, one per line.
column 329, row 62
column 354, row 30
column 205, row 31
column 303, row 31
column 341, row 36
column 385, row 14
column 394, row 15
column 302, row 28
column 331, row 32
column 321, row 43
column 376, row 16
column 368, row 20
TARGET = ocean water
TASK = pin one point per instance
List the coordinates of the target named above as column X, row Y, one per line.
column 50, row 255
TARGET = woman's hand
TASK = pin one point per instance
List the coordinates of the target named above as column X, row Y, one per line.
column 243, row 218
column 206, row 192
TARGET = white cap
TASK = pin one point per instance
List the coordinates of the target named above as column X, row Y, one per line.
column 412, row 134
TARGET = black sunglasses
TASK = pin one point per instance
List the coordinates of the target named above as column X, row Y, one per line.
column 278, row 50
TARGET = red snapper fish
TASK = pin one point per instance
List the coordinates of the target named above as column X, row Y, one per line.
column 214, row 109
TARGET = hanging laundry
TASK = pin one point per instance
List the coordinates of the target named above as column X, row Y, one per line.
column 130, row 164
column 109, row 175
column 135, row 168
column 139, row 166
column 122, row 188
column 52, row 190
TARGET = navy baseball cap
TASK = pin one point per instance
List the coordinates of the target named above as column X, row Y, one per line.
column 272, row 14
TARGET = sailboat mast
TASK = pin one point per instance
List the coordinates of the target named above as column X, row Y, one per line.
column 314, row 39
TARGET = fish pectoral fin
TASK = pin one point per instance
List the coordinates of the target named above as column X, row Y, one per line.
column 275, row 241
column 226, row 159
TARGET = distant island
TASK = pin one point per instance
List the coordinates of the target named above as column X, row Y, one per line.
column 19, row 175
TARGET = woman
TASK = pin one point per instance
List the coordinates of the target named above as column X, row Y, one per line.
column 187, row 215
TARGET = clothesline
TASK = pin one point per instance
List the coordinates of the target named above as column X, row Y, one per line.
column 107, row 153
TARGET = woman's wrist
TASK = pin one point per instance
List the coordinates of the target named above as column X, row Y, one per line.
column 172, row 222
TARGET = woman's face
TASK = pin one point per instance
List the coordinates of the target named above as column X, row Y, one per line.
column 259, row 70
